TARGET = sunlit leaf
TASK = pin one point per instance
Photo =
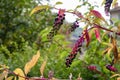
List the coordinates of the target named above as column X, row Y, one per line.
column 114, row 2
column 54, row 78
column 9, row 78
column 77, row 7
column 15, row 78
column 57, row 3
column 115, row 75
column 103, row 2
column 39, row 8
column 96, row 13
column 3, row 75
column 109, row 51
column 18, row 71
column 97, row 34
column 32, row 62
column 115, row 51
column 105, row 51
column 119, row 56
column 118, row 78
column 70, row 10
column 97, row 21
column 108, row 44
column 43, row 67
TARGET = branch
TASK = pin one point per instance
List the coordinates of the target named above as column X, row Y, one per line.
column 117, row 33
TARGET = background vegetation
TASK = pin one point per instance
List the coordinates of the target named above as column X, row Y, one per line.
column 21, row 36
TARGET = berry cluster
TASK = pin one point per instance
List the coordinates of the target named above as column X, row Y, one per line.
column 92, row 68
column 111, row 68
column 107, row 6
column 57, row 23
column 76, row 48
column 74, row 26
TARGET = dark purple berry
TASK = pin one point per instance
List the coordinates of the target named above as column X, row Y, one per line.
column 107, row 6
column 74, row 26
column 111, row 68
column 76, row 48
column 57, row 23
column 63, row 18
column 60, row 16
column 56, row 19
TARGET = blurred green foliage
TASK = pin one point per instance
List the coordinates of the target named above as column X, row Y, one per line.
column 17, row 27
column 21, row 36
column 19, row 31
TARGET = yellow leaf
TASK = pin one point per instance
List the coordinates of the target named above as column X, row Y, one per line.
column 54, row 78
column 119, row 56
column 115, row 50
column 103, row 2
column 3, row 75
column 32, row 62
column 9, row 78
column 19, row 72
column 15, row 78
column 39, row 8
column 114, row 2
column 110, row 49
column 118, row 78
column 115, row 75
column 105, row 51
column 43, row 67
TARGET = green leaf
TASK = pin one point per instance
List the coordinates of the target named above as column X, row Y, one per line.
column 44, row 33
column 77, row 7
column 39, row 8
column 58, row 3
column 59, row 37
column 70, row 10
column 75, row 63
column 63, row 54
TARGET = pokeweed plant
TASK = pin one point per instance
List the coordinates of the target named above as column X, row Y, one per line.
column 94, row 22
column 94, row 25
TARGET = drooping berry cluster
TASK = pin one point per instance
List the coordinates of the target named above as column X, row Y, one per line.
column 76, row 48
column 111, row 68
column 74, row 26
column 91, row 67
column 107, row 6
column 57, row 23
